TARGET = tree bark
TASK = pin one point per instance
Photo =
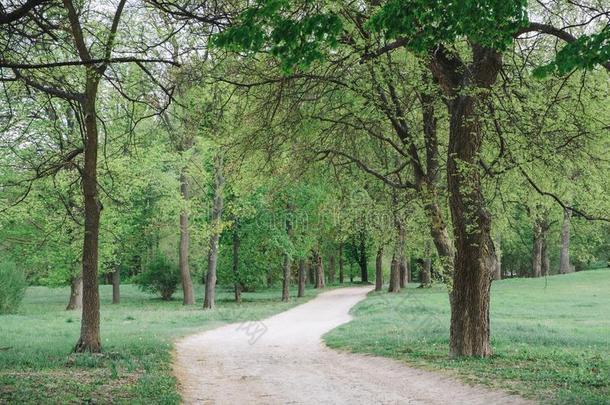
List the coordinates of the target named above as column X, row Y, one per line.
column 217, row 205
column 341, row 273
column 564, row 258
column 363, row 260
column 287, row 264
column 286, row 278
column 475, row 259
column 116, row 285
column 425, row 272
column 379, row 270
column 497, row 274
column 537, row 250
column 331, row 269
column 76, row 293
column 546, row 260
column 311, row 272
column 394, row 286
column 427, row 184
column 236, row 282
column 319, row 271
column 401, row 261
column 302, row 275
column 89, row 340
column 185, row 274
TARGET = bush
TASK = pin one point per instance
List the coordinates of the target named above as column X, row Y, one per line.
column 12, row 287
column 160, row 277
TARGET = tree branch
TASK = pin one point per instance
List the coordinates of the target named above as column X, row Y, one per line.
column 558, row 200
column 6, row 18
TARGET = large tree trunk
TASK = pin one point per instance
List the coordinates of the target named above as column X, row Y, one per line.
column 76, row 293
column 236, row 282
column 564, row 258
column 341, row 274
column 537, row 250
column 475, row 258
column 116, row 285
column 89, row 340
column 379, row 270
column 217, row 205
column 319, row 271
column 185, row 274
column 302, row 275
column 394, row 286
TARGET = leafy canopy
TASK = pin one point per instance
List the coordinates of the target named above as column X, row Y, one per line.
column 294, row 34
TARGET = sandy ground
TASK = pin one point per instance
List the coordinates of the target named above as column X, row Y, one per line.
column 282, row 360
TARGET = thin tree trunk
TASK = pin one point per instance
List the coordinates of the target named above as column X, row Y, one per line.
column 287, row 264
column 428, row 184
column 341, row 275
column 302, row 276
column 402, row 275
column 76, row 293
column 210, row 280
column 402, row 265
column 497, row 274
column 319, row 271
column 237, row 281
column 89, row 340
column 425, row 272
column 331, row 269
column 270, row 278
column 311, row 270
column 537, row 251
column 379, row 270
column 116, row 285
column 363, row 260
column 440, row 237
column 286, row 278
column 546, row 260
column 564, row 258
column 185, row 274
column 394, row 276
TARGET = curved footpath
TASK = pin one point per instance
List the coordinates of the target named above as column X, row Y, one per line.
column 282, row 360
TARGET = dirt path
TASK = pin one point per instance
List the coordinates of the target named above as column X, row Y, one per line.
column 282, row 360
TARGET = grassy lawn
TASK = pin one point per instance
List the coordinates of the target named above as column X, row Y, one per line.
column 551, row 337
column 36, row 365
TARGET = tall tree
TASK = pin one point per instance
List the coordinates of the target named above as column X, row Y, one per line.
column 216, row 225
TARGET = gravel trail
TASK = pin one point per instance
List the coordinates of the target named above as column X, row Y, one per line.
column 282, row 360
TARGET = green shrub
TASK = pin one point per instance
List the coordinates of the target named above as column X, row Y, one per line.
column 12, row 287
column 160, row 277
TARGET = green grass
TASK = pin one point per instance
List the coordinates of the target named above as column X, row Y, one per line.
column 36, row 364
column 551, row 337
